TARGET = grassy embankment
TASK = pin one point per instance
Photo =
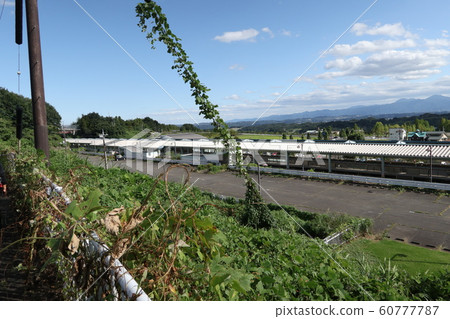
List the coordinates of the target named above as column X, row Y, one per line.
column 412, row 259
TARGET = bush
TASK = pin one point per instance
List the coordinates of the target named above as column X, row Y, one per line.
column 212, row 168
column 256, row 213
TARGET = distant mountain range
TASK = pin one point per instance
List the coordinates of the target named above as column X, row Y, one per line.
column 433, row 104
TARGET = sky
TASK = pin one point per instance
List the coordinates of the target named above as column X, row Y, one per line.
column 258, row 57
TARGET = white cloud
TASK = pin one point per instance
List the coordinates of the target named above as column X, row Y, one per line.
column 392, row 30
column 303, row 79
column 237, row 67
column 286, row 33
column 10, row 3
column 444, row 33
column 335, row 96
column 403, row 65
column 338, row 95
column 268, row 31
column 362, row 47
column 348, row 64
column 242, row 35
column 433, row 43
column 232, row 97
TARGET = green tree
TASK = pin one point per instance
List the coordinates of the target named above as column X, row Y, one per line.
column 92, row 124
column 256, row 213
column 378, row 129
column 423, row 125
column 356, row 135
column 283, row 136
column 319, row 135
column 291, row 137
column 189, row 128
column 9, row 101
column 445, row 124
column 329, row 131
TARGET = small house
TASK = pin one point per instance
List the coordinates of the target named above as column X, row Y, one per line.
column 439, row 136
column 397, row 134
column 417, row 136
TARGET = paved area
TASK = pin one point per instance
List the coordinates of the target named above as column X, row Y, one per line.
column 418, row 218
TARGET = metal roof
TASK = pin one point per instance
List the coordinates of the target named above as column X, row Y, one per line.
column 416, row 150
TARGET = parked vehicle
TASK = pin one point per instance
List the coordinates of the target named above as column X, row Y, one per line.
column 119, row 157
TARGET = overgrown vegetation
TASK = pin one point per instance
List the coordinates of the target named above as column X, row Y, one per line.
column 212, row 168
column 182, row 244
column 8, row 103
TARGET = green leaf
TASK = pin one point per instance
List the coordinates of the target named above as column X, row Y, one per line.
column 144, row 276
column 74, row 211
column 260, row 287
column 204, row 223
column 54, row 244
column 93, row 201
column 298, row 259
column 218, row 279
column 242, row 284
column 267, row 280
column 200, row 255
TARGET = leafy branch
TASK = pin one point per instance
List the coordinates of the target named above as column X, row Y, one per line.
column 153, row 21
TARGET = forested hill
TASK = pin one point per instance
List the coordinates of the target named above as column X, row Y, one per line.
column 366, row 124
column 8, row 103
column 92, row 124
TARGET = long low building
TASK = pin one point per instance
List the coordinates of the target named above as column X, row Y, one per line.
column 155, row 146
column 417, row 161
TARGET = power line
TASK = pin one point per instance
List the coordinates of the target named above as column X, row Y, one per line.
column 3, row 7
column 133, row 59
column 316, row 60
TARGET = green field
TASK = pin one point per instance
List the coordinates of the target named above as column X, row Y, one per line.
column 411, row 258
column 262, row 136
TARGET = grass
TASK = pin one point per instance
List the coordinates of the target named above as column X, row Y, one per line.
column 411, row 258
column 251, row 136
column 263, row 136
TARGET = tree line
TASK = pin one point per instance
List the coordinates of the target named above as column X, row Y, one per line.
column 356, row 129
column 8, row 103
column 93, row 124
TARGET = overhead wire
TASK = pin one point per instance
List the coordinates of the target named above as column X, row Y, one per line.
column 316, row 60
column 3, row 8
column 134, row 60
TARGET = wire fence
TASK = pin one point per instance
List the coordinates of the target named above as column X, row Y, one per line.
column 355, row 178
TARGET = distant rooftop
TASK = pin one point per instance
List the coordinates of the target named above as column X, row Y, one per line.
column 190, row 136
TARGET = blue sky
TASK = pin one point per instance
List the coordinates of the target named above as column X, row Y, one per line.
column 247, row 52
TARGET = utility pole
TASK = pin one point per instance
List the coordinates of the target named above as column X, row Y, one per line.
column 19, row 116
column 431, row 163
column 36, row 78
column 104, row 148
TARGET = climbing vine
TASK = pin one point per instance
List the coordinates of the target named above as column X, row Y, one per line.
column 154, row 22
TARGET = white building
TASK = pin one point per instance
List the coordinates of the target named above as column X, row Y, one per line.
column 397, row 134
column 437, row 136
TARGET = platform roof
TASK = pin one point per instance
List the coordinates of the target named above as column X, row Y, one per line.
column 441, row 151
